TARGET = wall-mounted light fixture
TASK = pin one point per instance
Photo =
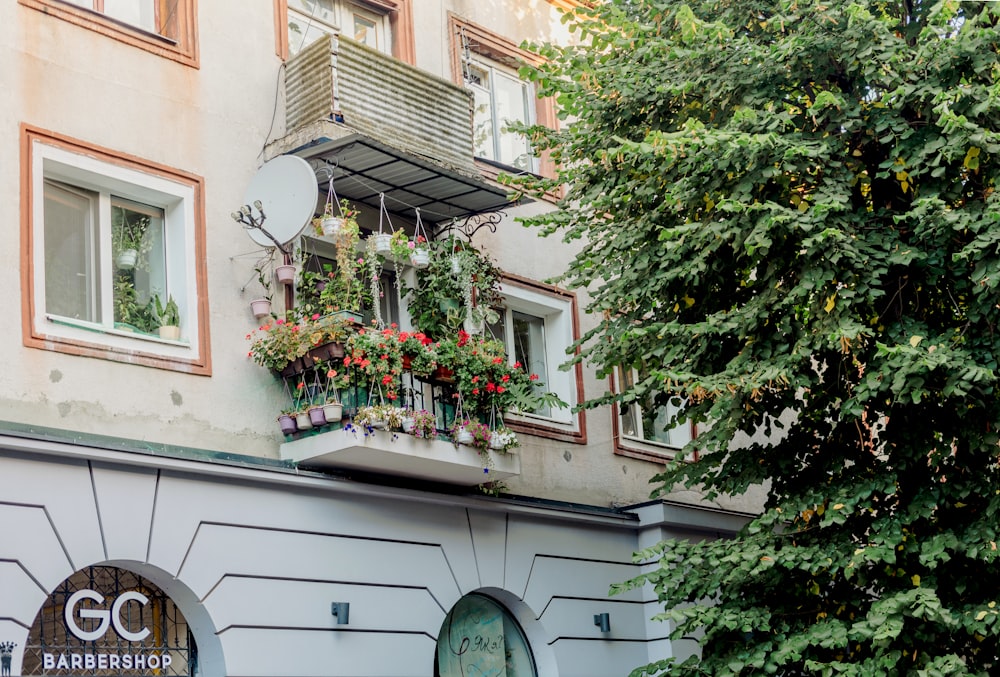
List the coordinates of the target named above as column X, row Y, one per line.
column 342, row 611
column 603, row 621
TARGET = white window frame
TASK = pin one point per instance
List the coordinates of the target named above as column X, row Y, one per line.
column 340, row 22
column 493, row 69
column 557, row 313
column 635, row 409
column 177, row 200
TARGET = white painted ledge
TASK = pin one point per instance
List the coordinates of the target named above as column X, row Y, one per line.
column 400, row 454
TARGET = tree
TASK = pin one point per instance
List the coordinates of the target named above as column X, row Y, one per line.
column 789, row 218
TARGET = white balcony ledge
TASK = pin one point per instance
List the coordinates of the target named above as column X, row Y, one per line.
column 402, row 455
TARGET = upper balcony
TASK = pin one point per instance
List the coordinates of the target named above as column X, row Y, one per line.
column 377, row 126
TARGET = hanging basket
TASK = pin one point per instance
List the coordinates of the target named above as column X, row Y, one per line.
column 260, row 308
column 285, row 274
column 383, row 243
column 126, row 259
column 332, row 226
column 420, row 258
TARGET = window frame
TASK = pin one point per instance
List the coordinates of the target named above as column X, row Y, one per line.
column 495, row 70
column 399, row 14
column 49, row 156
column 181, row 46
column 494, row 47
column 558, row 308
column 635, row 447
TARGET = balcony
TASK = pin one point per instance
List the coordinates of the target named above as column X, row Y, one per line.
column 377, row 126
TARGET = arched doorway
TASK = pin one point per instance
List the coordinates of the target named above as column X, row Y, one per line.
column 480, row 636
column 108, row 620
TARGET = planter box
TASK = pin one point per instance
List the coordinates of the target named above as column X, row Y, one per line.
column 404, row 456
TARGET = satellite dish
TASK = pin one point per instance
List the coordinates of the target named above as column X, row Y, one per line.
column 287, row 190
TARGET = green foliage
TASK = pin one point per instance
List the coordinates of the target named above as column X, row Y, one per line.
column 789, row 218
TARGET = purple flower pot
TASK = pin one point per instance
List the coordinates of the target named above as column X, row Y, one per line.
column 317, row 416
column 287, row 424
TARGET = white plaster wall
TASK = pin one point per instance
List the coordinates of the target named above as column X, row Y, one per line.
column 257, row 564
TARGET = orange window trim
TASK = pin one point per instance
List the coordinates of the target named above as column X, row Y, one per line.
column 180, row 44
column 32, row 339
column 498, row 48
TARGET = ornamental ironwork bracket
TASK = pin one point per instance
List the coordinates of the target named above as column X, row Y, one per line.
column 471, row 225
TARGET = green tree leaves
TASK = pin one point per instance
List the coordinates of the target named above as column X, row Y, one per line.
column 788, row 216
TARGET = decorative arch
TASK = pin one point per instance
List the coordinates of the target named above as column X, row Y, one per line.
column 122, row 617
column 493, row 631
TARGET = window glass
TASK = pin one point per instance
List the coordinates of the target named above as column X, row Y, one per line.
column 644, row 420
column 479, row 637
column 139, row 13
column 114, row 271
column 71, row 258
column 308, row 20
column 529, row 349
column 500, row 98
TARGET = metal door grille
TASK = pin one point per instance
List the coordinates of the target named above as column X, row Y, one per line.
column 169, row 634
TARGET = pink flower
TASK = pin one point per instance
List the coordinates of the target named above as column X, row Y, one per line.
column 533, row 377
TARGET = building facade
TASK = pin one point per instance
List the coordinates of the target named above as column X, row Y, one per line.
column 157, row 521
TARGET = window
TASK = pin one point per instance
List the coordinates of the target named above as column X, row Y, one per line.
column 164, row 27
column 111, row 243
column 647, row 422
column 500, row 99
column 310, row 19
column 537, row 328
column 480, row 637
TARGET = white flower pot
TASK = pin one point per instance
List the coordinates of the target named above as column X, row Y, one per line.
column 260, row 308
column 126, row 259
column 407, row 424
column 331, row 225
column 170, row 332
column 334, row 412
column 420, row 258
column 463, row 436
column 303, row 421
column 383, row 243
column 285, row 274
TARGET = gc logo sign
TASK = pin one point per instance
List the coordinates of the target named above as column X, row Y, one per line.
column 113, row 617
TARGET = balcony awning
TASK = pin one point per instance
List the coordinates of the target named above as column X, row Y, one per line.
column 363, row 169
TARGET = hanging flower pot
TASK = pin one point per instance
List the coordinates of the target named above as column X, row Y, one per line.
column 463, row 436
column 334, row 411
column 331, row 225
column 287, row 424
column 407, row 423
column 317, row 416
column 420, row 258
column 383, row 243
column 303, row 421
column 456, row 265
column 260, row 308
column 126, row 259
column 285, row 274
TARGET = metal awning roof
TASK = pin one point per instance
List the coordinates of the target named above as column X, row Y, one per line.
column 362, row 169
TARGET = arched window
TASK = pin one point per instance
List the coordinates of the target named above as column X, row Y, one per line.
column 479, row 637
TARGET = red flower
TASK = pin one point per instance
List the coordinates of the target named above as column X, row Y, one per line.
column 497, row 360
column 463, row 337
column 331, row 374
column 500, row 389
column 315, row 316
column 505, row 378
column 347, row 360
column 491, row 387
column 475, row 391
column 386, row 380
column 517, row 365
column 533, row 377
column 364, row 363
column 301, row 385
column 475, row 379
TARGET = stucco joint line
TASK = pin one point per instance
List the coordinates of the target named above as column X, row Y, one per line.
column 152, row 515
column 187, row 552
column 27, row 573
column 97, row 506
column 475, row 555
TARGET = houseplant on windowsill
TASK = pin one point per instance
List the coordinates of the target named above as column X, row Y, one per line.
column 168, row 317
column 129, row 244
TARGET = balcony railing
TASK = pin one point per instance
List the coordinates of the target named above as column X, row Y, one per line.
column 338, row 79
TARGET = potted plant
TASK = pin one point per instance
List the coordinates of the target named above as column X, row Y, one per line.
column 423, row 424
column 400, row 245
column 378, row 355
column 168, row 317
column 261, row 307
column 128, row 238
column 460, row 431
column 379, row 417
column 503, row 438
column 286, row 421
